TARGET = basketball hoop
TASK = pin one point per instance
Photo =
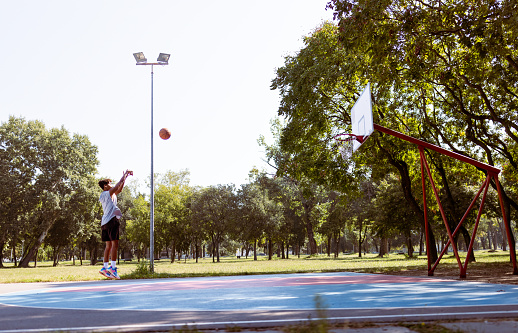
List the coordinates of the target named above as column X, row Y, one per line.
column 346, row 147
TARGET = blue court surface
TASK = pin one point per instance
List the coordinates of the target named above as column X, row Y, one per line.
column 254, row 299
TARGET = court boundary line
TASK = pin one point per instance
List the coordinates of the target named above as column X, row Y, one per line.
column 267, row 310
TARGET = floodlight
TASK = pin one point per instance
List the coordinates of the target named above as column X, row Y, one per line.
column 140, row 58
column 163, row 58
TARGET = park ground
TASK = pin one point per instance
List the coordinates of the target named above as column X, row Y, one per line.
column 490, row 266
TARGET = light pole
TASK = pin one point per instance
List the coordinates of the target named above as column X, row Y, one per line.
column 163, row 59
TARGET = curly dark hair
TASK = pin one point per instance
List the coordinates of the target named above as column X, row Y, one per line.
column 104, row 182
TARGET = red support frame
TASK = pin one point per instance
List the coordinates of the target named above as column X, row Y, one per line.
column 492, row 173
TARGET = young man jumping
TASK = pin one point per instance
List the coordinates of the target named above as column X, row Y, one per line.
column 110, row 223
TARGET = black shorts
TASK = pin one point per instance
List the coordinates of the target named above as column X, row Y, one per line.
column 110, row 231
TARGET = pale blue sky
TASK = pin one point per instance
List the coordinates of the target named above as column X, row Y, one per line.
column 70, row 63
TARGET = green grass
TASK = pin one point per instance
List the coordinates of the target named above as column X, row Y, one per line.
column 370, row 263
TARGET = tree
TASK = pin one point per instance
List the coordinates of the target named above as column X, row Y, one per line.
column 318, row 87
column 87, row 214
column 43, row 168
column 335, row 222
column 455, row 64
column 252, row 215
column 78, row 219
column 302, row 193
column 171, row 216
column 391, row 215
column 215, row 207
column 18, row 165
column 137, row 229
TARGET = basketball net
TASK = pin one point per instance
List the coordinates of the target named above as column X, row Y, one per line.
column 346, row 148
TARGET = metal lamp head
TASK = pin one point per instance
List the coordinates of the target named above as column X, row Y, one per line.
column 163, row 58
column 140, row 58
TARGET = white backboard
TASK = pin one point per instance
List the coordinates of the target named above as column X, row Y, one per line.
column 361, row 117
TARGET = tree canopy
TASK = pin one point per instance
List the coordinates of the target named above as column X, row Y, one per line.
column 44, row 172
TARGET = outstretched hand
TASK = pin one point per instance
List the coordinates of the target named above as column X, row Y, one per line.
column 120, row 185
column 127, row 173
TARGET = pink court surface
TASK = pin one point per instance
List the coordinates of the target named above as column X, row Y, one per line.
column 247, row 301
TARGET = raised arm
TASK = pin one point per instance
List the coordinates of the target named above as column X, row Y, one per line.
column 120, row 184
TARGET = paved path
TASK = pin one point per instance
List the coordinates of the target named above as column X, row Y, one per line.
column 247, row 301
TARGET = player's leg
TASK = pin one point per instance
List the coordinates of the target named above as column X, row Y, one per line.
column 107, row 236
column 114, row 234
column 107, row 250
column 113, row 253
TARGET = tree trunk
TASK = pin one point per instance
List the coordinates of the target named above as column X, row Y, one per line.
column 2, row 244
column 360, row 239
column 406, row 185
column 337, row 244
column 508, row 202
column 93, row 255
column 33, row 249
column 309, row 229
column 421, row 234
column 13, row 253
column 55, row 256
column 467, row 240
column 255, row 249
column 217, row 249
column 410, row 246
column 173, row 251
column 512, row 248
column 502, row 231
column 213, row 249
column 383, row 246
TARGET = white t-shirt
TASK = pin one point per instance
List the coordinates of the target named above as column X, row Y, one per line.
column 110, row 208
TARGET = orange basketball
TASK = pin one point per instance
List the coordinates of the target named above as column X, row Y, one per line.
column 164, row 133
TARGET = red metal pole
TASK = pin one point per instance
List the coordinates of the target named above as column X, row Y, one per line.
column 507, row 230
column 485, row 183
column 463, row 271
column 453, row 245
column 443, row 151
column 460, row 223
column 492, row 171
column 425, row 210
